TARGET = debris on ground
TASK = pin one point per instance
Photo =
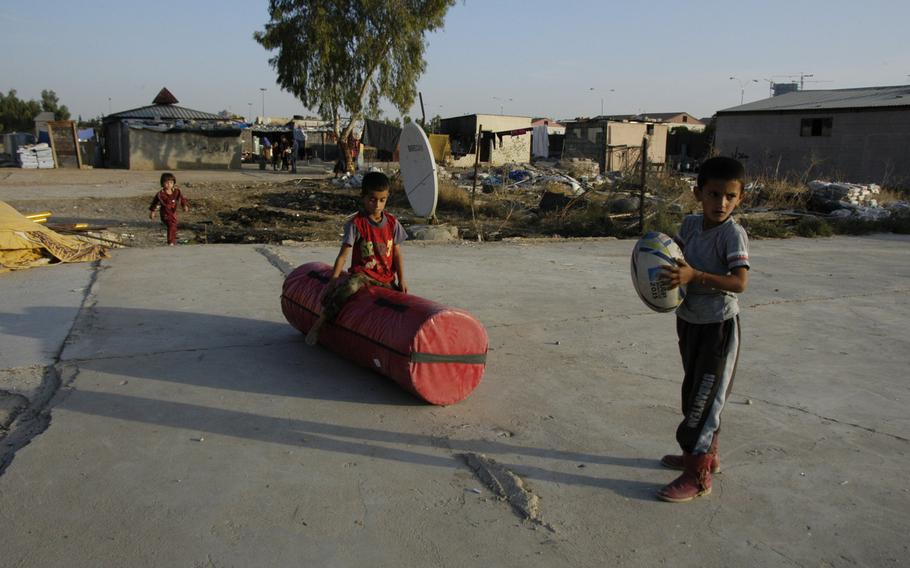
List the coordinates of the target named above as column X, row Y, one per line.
column 842, row 200
column 508, row 487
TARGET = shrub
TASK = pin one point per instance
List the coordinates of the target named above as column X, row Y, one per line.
column 764, row 228
column 813, row 227
column 664, row 221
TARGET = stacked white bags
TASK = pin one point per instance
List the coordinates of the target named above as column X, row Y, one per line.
column 36, row 156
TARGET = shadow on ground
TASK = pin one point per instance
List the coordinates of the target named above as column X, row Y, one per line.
column 262, row 357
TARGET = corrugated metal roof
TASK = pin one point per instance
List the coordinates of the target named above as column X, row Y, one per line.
column 831, row 99
column 164, row 112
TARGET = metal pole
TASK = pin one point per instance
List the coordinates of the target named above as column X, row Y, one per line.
column 478, row 139
column 423, row 114
column 641, row 195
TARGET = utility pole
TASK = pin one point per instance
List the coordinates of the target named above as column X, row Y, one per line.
column 802, row 79
column 263, row 89
column 742, row 88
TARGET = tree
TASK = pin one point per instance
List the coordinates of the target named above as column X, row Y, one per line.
column 435, row 124
column 17, row 114
column 50, row 103
column 344, row 56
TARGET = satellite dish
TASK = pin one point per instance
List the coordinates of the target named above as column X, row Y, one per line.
column 418, row 170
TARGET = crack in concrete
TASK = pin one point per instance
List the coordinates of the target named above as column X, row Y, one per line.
column 31, row 421
column 787, row 406
column 830, row 298
column 828, row 418
column 607, row 317
column 36, row 418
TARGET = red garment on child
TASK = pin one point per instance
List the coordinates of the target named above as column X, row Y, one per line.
column 166, row 203
column 373, row 250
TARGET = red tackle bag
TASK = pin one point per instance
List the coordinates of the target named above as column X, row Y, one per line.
column 434, row 351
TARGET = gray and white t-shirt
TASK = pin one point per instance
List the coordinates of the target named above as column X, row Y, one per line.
column 718, row 251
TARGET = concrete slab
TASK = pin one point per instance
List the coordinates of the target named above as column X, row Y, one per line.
column 38, row 310
column 210, row 435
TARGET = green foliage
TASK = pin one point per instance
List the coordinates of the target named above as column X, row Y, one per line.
column 764, row 228
column 435, row 124
column 813, row 227
column 342, row 56
column 854, row 226
column 664, row 221
column 50, row 103
column 19, row 115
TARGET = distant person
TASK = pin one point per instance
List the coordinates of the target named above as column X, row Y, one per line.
column 286, row 149
column 375, row 236
column 277, row 154
column 266, row 149
column 165, row 203
column 299, row 145
column 715, row 269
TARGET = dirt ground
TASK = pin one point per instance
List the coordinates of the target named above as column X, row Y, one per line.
column 258, row 208
column 254, row 206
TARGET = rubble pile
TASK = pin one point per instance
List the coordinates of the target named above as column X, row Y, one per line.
column 850, row 200
column 526, row 177
column 35, row 156
column 580, row 167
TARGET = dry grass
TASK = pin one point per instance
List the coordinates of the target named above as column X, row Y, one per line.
column 453, row 198
column 778, row 194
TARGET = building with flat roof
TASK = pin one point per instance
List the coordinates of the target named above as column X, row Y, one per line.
column 504, row 139
column 615, row 144
column 857, row 135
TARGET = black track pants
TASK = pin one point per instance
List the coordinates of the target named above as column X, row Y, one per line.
column 709, row 354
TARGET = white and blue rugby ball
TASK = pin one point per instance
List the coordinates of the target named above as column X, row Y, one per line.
column 652, row 252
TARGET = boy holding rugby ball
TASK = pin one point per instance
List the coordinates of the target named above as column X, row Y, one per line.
column 715, row 269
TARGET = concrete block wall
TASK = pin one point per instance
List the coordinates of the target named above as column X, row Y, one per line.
column 586, row 141
column 864, row 147
column 150, row 150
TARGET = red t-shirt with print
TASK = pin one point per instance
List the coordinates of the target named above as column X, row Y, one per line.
column 373, row 249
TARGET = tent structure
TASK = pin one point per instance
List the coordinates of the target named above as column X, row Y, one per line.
column 24, row 243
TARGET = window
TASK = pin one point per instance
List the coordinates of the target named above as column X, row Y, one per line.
column 815, row 126
column 685, row 118
column 650, row 129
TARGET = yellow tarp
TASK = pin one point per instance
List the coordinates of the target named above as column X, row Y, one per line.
column 441, row 147
column 24, row 243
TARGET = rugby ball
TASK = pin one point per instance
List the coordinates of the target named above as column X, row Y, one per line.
column 652, row 252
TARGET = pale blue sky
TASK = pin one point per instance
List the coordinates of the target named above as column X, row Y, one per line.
column 657, row 56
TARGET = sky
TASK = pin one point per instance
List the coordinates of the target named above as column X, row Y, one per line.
column 559, row 59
